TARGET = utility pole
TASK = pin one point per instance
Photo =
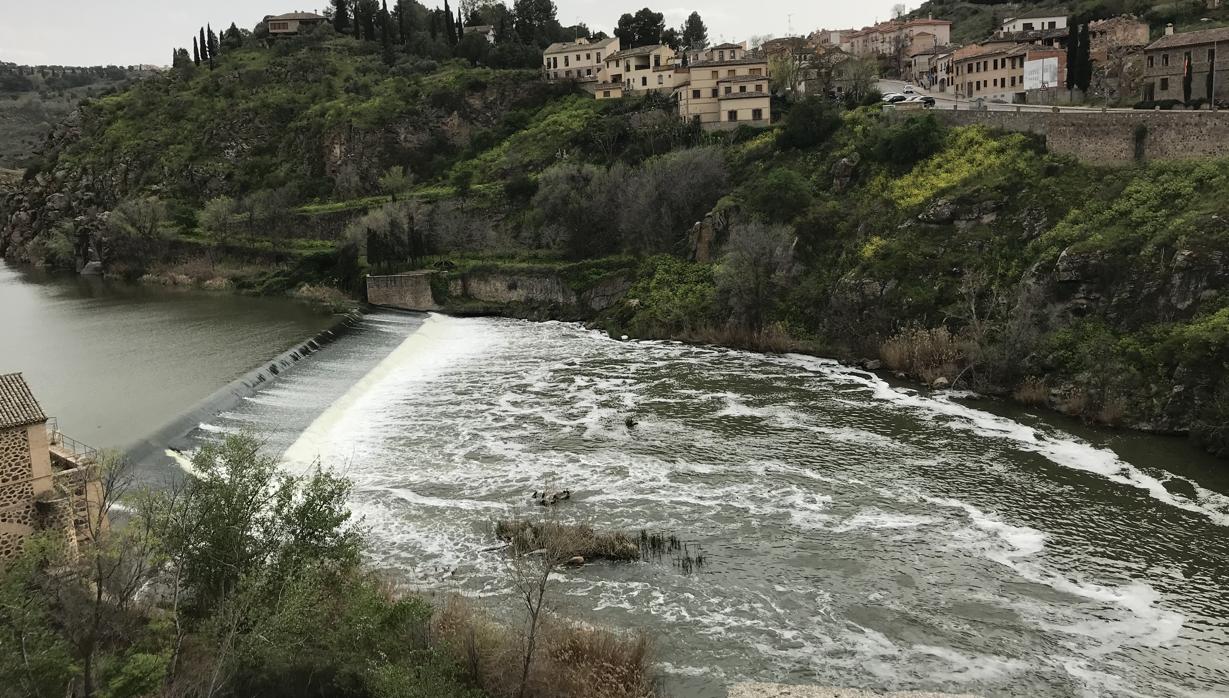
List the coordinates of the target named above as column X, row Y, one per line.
column 789, row 22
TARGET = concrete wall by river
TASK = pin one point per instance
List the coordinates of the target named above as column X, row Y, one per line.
column 497, row 292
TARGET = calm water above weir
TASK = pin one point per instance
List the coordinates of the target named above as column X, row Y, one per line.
column 856, row 533
column 114, row 362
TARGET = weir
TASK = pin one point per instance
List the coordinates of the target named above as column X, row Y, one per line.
column 410, row 291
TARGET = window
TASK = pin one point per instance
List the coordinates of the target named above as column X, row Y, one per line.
column 657, row 61
column 578, row 58
column 731, row 115
column 695, row 94
column 1151, row 62
column 756, row 71
column 599, row 56
column 742, row 88
column 660, row 79
column 996, row 64
column 1164, row 61
column 1164, row 84
column 565, row 61
column 588, row 56
column 1013, row 81
column 1028, row 26
column 759, row 88
column 714, row 92
column 716, row 74
column 605, row 93
column 644, row 81
column 1054, row 25
column 728, row 89
column 589, row 72
column 731, row 73
column 721, row 57
column 757, row 114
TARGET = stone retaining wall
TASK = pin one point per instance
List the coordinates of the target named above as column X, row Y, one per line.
column 1111, row 138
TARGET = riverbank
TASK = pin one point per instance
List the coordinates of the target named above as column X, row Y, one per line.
column 650, row 300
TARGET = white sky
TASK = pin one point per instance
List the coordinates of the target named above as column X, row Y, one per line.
column 128, row 32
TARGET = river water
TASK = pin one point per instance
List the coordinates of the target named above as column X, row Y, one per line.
column 855, row 533
column 114, row 362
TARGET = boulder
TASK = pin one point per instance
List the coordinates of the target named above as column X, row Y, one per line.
column 939, row 212
column 940, row 383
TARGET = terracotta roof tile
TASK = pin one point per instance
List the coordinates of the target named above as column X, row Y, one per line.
column 18, row 407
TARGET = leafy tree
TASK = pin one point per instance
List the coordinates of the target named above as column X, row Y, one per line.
column 341, row 15
column 535, row 21
column 232, row 38
column 672, row 38
column 779, row 196
column 134, row 228
column 395, row 180
column 26, row 621
column 217, row 218
column 641, row 29
column 755, row 271
column 809, row 123
column 695, row 34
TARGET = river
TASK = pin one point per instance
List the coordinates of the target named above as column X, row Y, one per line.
column 856, row 532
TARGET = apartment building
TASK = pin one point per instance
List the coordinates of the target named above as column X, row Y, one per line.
column 1037, row 20
column 898, row 37
column 579, row 60
column 642, row 68
column 719, row 94
column 996, row 71
column 1166, row 60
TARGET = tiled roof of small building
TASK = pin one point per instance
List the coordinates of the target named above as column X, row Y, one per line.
column 300, row 16
column 1203, row 36
column 637, row 51
column 18, row 407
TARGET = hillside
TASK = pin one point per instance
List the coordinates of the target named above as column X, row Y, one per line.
column 973, row 21
column 34, row 98
column 958, row 256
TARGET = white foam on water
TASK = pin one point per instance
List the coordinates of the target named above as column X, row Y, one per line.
column 875, row 519
column 1059, row 448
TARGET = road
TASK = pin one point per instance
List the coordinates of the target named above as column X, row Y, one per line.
column 946, row 100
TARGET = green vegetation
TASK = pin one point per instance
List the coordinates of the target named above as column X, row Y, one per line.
column 243, row 580
column 842, row 229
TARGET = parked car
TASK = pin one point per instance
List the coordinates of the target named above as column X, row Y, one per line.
column 926, row 100
column 894, row 97
column 908, row 89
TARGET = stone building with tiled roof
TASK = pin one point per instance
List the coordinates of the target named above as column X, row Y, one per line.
column 47, row 482
column 292, row 23
column 582, row 60
column 1168, row 59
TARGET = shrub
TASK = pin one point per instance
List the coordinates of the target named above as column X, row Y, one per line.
column 1031, row 391
column 779, row 196
column 808, row 124
column 570, row 539
column 928, row 354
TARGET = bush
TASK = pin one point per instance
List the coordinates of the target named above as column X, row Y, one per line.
column 808, row 124
column 905, row 144
column 779, row 196
column 928, row 354
column 570, row 539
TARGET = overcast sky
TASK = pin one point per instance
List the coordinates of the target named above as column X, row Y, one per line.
column 128, row 32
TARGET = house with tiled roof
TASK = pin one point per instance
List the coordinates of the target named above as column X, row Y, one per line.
column 292, row 23
column 582, row 59
column 1169, row 59
column 48, row 483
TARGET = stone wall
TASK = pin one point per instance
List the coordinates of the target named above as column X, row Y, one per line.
column 494, row 292
column 403, row 291
column 1111, row 138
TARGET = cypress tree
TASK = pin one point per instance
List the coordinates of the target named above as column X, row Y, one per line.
column 341, row 15
column 449, row 28
column 213, row 42
column 403, row 34
column 1085, row 60
column 196, row 53
column 386, row 36
column 204, row 46
column 1073, row 56
column 433, row 21
column 460, row 27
